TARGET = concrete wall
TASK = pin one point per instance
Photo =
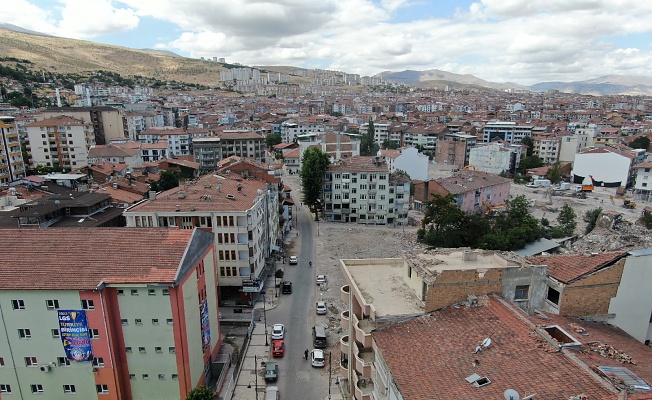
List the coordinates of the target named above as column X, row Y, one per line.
column 192, row 325
column 412, row 162
column 452, row 287
column 535, row 277
column 632, row 304
column 605, row 167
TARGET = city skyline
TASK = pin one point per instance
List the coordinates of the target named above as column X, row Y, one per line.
column 515, row 41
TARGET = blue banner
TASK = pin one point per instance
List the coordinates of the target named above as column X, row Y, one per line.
column 73, row 328
column 205, row 325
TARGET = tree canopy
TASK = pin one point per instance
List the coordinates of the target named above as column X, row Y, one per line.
column 531, row 162
column 368, row 145
column 527, row 140
column 201, row 393
column 314, row 164
column 641, row 142
column 273, row 139
column 554, row 173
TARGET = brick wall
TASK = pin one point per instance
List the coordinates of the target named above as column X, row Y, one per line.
column 592, row 294
column 452, row 287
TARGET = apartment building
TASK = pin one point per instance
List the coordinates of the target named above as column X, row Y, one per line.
column 12, row 166
column 179, row 141
column 111, row 313
column 546, row 146
column 107, row 122
column 60, row 141
column 242, row 213
column 293, row 128
column 496, row 157
column 608, row 166
column 510, row 132
column 455, row 149
column 128, row 153
column 362, row 189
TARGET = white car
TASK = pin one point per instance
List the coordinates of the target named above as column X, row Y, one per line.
column 317, row 358
column 321, row 308
column 294, row 260
column 278, row 331
column 321, row 279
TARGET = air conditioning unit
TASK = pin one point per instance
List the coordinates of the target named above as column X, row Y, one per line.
column 45, row 368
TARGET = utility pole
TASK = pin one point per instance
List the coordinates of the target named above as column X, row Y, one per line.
column 265, row 319
column 330, row 371
column 256, row 373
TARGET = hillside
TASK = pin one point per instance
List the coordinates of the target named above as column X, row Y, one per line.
column 436, row 77
column 71, row 56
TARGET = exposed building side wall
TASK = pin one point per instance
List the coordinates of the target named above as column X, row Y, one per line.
column 592, row 295
column 452, row 287
column 632, row 305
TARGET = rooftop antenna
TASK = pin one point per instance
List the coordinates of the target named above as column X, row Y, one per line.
column 485, row 343
column 511, row 394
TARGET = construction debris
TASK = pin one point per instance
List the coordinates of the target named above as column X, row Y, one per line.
column 608, row 351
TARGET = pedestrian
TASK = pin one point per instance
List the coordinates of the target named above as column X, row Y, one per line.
column 305, row 354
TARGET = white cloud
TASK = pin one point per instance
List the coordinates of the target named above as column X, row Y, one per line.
column 86, row 19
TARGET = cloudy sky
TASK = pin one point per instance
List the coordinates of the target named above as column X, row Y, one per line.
column 521, row 41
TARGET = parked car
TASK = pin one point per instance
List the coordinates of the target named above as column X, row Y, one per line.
column 286, row 287
column 271, row 393
column 294, row 260
column 321, row 308
column 317, row 358
column 278, row 331
column 321, row 279
column 278, row 348
column 271, row 371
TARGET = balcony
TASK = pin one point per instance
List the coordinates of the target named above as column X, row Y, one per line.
column 344, row 344
column 363, row 330
column 346, row 211
column 364, row 358
column 363, row 387
column 344, row 320
column 344, row 294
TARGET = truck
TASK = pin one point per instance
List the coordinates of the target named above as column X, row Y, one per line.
column 539, row 183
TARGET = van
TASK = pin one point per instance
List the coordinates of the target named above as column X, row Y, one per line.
column 271, row 393
column 319, row 339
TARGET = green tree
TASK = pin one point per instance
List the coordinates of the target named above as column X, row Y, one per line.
column 314, row 164
column 566, row 220
column 169, row 179
column 646, row 219
column 389, row 144
column 368, row 145
column 591, row 218
column 201, row 393
column 273, row 139
column 527, row 140
column 554, row 173
column 442, row 222
column 641, row 142
column 530, row 162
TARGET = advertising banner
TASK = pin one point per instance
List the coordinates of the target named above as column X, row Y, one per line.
column 205, row 325
column 73, row 328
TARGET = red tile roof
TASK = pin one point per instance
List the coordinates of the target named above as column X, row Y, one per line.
column 82, row 258
column 430, row 356
column 566, row 268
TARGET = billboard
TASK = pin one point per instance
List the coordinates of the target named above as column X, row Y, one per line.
column 205, row 325
column 73, row 328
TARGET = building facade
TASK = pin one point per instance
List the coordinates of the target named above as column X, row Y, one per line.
column 60, row 141
column 133, row 323
column 12, row 166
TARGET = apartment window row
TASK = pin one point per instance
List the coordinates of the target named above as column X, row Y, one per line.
column 226, row 238
column 228, row 255
column 160, row 376
column 51, row 304
column 157, row 349
column 150, row 292
column 228, row 271
column 225, row 221
column 139, row 321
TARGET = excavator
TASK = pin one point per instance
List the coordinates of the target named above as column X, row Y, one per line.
column 491, row 209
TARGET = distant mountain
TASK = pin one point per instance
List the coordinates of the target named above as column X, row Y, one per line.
column 435, row 77
column 14, row 28
column 162, row 52
column 602, row 86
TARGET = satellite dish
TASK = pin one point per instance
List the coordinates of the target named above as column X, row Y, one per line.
column 511, row 394
column 486, row 342
column 81, row 220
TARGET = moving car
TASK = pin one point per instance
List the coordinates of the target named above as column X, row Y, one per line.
column 278, row 348
column 278, row 331
column 317, row 358
column 321, row 308
column 294, row 260
column 321, row 279
column 271, row 371
column 286, row 287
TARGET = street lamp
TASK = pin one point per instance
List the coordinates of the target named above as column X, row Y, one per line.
column 256, row 374
column 249, row 387
column 330, row 371
column 265, row 319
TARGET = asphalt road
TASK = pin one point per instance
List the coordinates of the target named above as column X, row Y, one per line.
column 297, row 378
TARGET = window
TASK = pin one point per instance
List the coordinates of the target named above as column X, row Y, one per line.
column 175, row 376
column 88, row 304
column 134, row 292
column 38, row 388
column 69, row 389
column 5, row 388
column 55, row 334
column 132, row 377
column 161, row 377
column 522, row 292
column 154, row 321
column 145, row 377
column 52, row 304
column 31, row 362
column 63, row 362
column 166, row 292
column 98, row 362
column 172, row 350
column 158, row 349
column 139, row 321
column 169, row 321
column 127, row 349
column 121, row 292
column 151, row 292
column 94, row 333
column 409, row 272
column 24, row 334
column 553, row 296
column 2, row 362
column 18, row 304
column 124, row 321
column 142, row 350
column 102, row 389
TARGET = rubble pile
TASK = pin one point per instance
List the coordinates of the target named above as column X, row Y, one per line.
column 541, row 344
column 608, row 351
column 623, row 237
